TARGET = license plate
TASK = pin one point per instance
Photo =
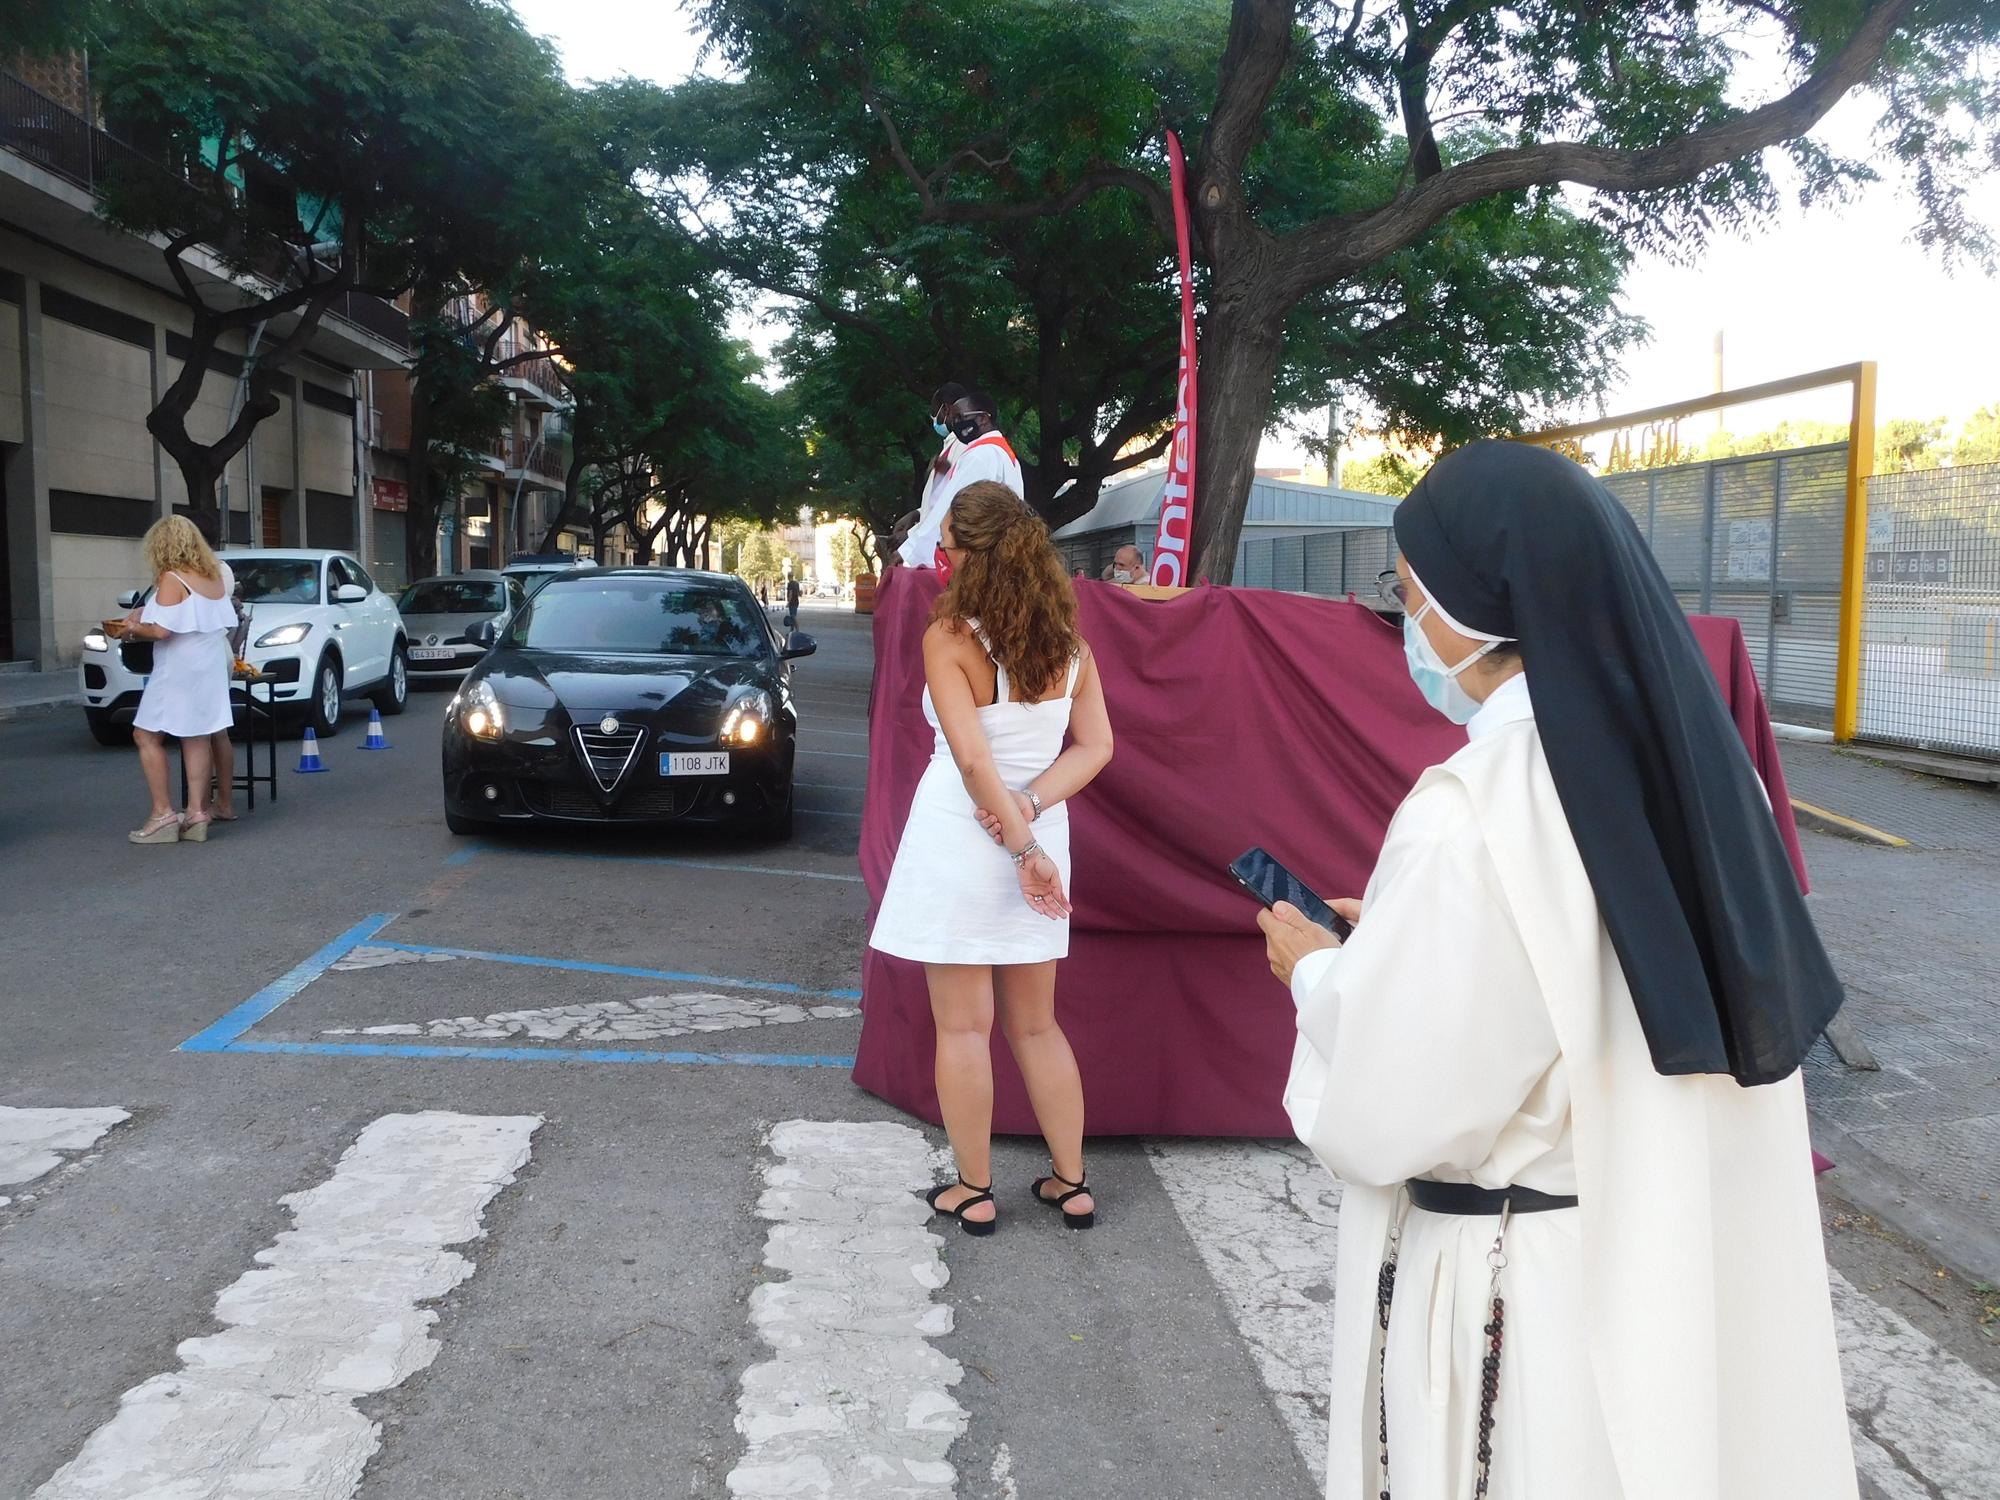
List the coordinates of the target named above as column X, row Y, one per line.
column 431, row 653
column 694, row 763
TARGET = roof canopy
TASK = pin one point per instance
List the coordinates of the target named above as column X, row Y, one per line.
column 1135, row 501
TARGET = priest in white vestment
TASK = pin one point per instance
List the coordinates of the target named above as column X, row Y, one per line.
column 1578, row 990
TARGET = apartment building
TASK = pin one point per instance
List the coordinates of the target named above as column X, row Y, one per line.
column 91, row 334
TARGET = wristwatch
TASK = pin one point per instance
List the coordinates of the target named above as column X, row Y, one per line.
column 1034, row 802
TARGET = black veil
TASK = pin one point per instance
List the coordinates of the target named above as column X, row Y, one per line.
column 1676, row 834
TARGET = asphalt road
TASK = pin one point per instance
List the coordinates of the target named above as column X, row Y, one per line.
column 598, row 1348
column 626, row 1302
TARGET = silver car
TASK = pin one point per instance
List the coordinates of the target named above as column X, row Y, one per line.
column 439, row 614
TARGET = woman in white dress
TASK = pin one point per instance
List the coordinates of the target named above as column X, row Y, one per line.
column 188, row 618
column 1008, row 679
column 1556, row 1064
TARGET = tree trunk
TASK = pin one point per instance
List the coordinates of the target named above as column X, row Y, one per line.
column 1239, row 366
column 420, row 524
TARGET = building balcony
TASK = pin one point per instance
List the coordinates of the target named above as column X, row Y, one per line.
column 537, row 463
column 54, row 165
column 538, row 382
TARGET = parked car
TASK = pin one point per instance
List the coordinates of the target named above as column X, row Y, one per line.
column 627, row 695
column 320, row 630
column 438, row 613
column 533, row 569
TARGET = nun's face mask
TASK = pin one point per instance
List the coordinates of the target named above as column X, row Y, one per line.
column 1438, row 683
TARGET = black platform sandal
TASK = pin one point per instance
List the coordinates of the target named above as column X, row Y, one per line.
column 1076, row 1190
column 979, row 1195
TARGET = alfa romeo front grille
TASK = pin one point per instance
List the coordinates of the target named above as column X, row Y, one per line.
column 609, row 756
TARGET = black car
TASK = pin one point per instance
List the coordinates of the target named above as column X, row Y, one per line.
column 627, row 695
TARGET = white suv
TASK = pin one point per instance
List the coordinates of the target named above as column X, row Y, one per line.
column 320, row 629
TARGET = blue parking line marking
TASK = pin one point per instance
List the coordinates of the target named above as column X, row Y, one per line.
column 534, row 961
column 673, row 862
column 545, row 1054
column 227, row 1034
column 826, row 812
column 222, row 1035
column 852, row 734
column 464, row 856
column 827, row 786
column 835, row 754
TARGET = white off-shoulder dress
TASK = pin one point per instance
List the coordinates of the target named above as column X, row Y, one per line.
column 187, row 695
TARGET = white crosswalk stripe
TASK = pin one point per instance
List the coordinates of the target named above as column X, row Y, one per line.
column 1264, row 1214
column 334, row 1312
column 33, row 1141
column 855, row 1402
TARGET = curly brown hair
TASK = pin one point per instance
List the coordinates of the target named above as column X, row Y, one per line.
column 1013, row 583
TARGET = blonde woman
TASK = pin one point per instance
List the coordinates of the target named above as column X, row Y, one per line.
column 188, row 618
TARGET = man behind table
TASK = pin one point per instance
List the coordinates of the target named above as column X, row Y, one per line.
column 1128, row 565
column 986, row 455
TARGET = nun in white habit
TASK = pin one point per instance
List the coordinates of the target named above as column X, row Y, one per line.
column 1556, row 1064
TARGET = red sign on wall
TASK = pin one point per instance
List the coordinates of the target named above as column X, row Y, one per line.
column 391, row 494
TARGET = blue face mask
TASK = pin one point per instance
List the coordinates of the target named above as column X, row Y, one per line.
column 942, row 430
column 1438, row 683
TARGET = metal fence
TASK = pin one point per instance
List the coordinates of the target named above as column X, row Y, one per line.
column 1758, row 539
column 1331, row 564
column 1930, row 616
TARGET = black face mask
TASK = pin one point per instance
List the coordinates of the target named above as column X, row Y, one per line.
column 965, row 426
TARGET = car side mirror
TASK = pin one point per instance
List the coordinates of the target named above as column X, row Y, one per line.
column 349, row 593
column 799, row 645
column 484, row 633
column 130, row 598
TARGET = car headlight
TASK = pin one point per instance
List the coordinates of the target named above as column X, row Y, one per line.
column 480, row 712
column 285, row 635
column 96, row 640
column 748, row 720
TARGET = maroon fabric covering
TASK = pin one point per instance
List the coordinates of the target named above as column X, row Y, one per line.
column 1242, row 717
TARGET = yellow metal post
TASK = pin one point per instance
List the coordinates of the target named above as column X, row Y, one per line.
column 1854, row 553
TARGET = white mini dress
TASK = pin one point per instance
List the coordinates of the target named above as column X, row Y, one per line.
column 187, row 695
column 954, row 896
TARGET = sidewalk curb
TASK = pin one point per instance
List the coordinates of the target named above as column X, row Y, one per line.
column 43, row 706
column 1872, row 1185
column 1822, row 821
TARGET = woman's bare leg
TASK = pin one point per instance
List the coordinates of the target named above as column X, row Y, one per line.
column 197, row 763
column 1027, row 1003
column 153, row 763
column 222, row 755
column 962, row 1007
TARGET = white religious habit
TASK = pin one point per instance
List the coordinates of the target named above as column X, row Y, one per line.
column 987, row 456
column 1671, row 1338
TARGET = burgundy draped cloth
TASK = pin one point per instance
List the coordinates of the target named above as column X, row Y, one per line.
column 1242, row 717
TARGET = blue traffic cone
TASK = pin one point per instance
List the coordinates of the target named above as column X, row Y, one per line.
column 375, row 740
column 308, row 752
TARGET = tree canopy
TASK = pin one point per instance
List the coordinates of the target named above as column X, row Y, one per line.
column 1427, row 203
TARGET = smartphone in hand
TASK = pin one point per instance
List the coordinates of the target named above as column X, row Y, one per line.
column 1270, row 882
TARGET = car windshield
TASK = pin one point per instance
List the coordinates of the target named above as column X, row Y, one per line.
column 638, row 617
column 277, row 580
column 454, row 596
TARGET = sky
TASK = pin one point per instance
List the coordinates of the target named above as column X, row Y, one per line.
column 1819, row 288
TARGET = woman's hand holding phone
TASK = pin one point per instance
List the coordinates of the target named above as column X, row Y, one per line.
column 1289, row 935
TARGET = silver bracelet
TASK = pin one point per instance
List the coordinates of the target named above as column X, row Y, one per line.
column 1028, row 852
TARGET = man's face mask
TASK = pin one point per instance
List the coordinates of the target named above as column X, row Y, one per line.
column 942, row 429
column 965, row 425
